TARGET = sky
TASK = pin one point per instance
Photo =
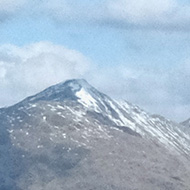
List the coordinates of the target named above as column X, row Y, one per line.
column 133, row 50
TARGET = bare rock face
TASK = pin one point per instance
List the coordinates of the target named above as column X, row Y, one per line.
column 71, row 136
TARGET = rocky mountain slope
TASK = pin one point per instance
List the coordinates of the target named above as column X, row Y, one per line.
column 185, row 126
column 71, row 136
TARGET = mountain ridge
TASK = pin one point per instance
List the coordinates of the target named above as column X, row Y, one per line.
column 71, row 136
column 117, row 113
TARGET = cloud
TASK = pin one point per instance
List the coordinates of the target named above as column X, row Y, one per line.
column 29, row 69
column 141, row 11
column 140, row 14
column 9, row 8
column 143, row 14
column 157, row 91
column 75, row 11
column 150, row 14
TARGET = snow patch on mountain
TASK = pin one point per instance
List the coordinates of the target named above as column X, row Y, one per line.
column 87, row 100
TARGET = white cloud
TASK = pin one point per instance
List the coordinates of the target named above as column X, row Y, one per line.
column 75, row 11
column 27, row 70
column 10, row 7
column 141, row 11
column 161, row 92
column 147, row 14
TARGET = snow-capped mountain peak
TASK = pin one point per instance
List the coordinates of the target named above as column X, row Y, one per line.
column 78, row 93
column 78, row 90
column 72, row 128
column 65, row 90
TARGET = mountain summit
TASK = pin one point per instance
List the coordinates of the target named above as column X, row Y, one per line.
column 71, row 136
column 62, row 91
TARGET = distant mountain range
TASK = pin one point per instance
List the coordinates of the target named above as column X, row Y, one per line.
column 71, row 136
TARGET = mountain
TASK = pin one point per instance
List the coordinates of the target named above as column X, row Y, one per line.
column 185, row 126
column 186, row 123
column 71, row 136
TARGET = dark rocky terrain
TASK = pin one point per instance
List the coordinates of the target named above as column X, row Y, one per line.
column 71, row 136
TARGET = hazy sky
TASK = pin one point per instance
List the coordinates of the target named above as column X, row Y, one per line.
column 134, row 50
